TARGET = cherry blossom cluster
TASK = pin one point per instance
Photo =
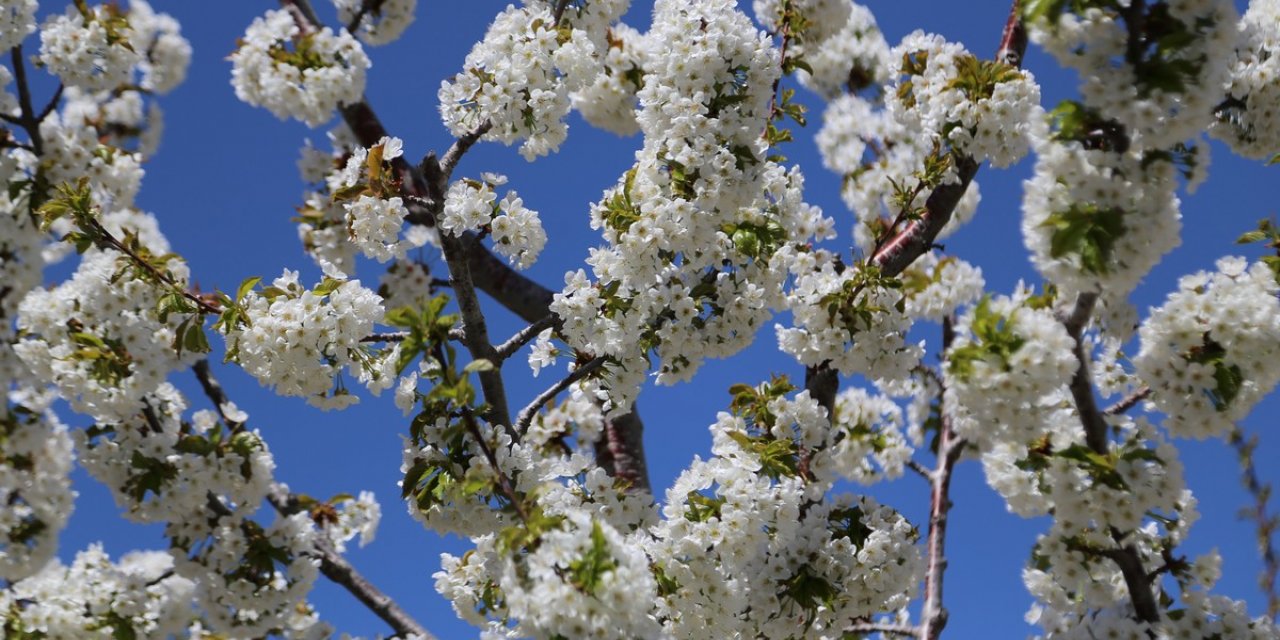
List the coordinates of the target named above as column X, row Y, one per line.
column 610, row 102
column 1160, row 95
column 1247, row 120
column 298, row 341
column 405, row 283
column 1209, row 353
column 734, row 528
column 519, row 77
column 851, row 59
column 35, row 484
column 938, row 287
column 89, row 48
column 473, row 205
column 847, row 316
column 380, row 22
column 297, row 74
column 701, row 228
column 99, row 338
column 17, row 21
column 869, row 443
column 140, row 596
column 818, row 19
column 374, row 215
column 162, row 469
column 982, row 109
column 1098, row 220
column 1009, row 358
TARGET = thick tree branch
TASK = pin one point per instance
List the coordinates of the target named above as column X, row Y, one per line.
column 620, row 450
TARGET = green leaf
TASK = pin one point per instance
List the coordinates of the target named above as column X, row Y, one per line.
column 587, row 572
column 477, row 366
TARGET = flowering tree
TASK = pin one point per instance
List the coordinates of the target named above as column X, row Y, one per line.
column 1069, row 401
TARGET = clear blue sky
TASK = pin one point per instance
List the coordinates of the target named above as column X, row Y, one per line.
column 224, row 186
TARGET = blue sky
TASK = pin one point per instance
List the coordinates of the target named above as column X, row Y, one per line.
column 224, row 187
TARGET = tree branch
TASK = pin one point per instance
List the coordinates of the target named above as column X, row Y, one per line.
column 620, row 450
column 1095, row 432
column 864, row 628
column 523, row 336
column 1128, row 402
column 338, row 570
column 933, row 614
column 525, row 417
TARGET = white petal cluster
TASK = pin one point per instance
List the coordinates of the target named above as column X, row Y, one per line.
column 473, row 205
column 1171, row 97
column 167, row 54
column 821, row 18
column 519, row 77
column 94, row 598
column 1006, row 363
column 90, row 50
column 610, row 102
column 553, row 596
column 937, row 287
column 851, row 59
column 297, row 340
column 358, row 516
column 297, row 75
column 239, row 595
column 99, row 339
column 405, row 283
column 374, row 225
column 74, row 151
column 124, row 121
column 1212, row 350
column 162, row 469
column 732, row 534
column 1250, row 123
column 35, row 487
column 995, row 126
column 385, row 23
column 1097, row 220
column 874, row 345
column 21, row 267
column 869, row 429
column 17, row 21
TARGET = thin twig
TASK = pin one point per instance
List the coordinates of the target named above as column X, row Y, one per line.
column 920, row 469
column 1267, row 524
column 863, row 628
column 523, row 336
column 525, row 417
column 214, row 392
column 393, row 336
column 1128, row 402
